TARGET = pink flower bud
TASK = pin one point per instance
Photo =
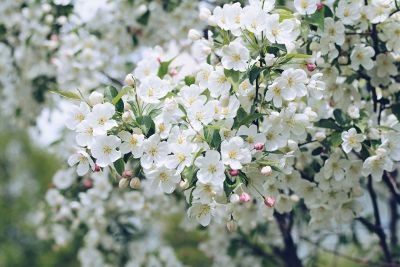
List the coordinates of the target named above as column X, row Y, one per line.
column 87, row 183
column 127, row 174
column 259, row 146
column 159, row 59
column 269, row 201
column 173, row 72
column 311, row 66
column 234, row 172
column 244, row 197
column 320, row 6
column 97, row 168
column 266, row 170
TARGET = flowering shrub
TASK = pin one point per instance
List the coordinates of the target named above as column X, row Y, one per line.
column 287, row 115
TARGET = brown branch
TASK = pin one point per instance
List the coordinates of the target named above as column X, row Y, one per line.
column 377, row 227
column 391, row 184
column 289, row 253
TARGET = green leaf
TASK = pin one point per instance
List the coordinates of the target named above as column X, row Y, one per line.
column 335, row 139
column 341, row 117
column 396, row 110
column 189, row 80
column 254, row 73
column 316, row 19
column 119, row 166
column 234, row 75
column 163, row 70
column 66, row 94
column 146, row 124
column 250, row 118
column 216, row 139
column 317, row 151
column 144, row 19
column 327, row 123
column 230, row 185
column 304, row 56
column 123, row 92
column 110, row 93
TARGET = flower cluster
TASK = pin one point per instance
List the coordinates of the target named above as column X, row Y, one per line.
column 284, row 113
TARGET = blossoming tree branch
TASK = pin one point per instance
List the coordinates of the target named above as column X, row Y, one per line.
column 291, row 115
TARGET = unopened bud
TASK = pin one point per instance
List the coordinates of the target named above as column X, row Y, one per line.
column 244, row 197
column 259, row 146
column 343, row 60
column 205, row 13
column 231, row 226
column 234, row 198
column 311, row 66
column 123, row 183
column 269, row 201
column 183, row 184
column 173, row 72
column 234, row 172
column 135, row 183
column 127, row 173
column 97, row 168
column 96, row 98
column 320, row 136
column 320, row 6
column 127, row 115
column 206, row 50
column 266, row 170
column 87, row 183
column 130, row 80
column 194, row 35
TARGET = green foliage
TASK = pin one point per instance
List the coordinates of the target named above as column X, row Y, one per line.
column 110, row 94
column 30, row 169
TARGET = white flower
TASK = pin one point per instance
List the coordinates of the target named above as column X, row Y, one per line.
column 334, row 30
column 348, row 13
column 77, row 115
column 385, row 65
column 64, row 178
column 154, row 151
column 191, row 94
column 235, row 56
column 199, row 114
column 211, row 169
column 181, row 157
column 104, row 149
column 152, row 89
column 85, row 136
column 305, row 6
column 218, row 83
column 293, row 80
column 336, row 167
column 95, row 98
column 202, row 212
column 391, row 143
column 100, row 118
column 203, row 75
column 146, row 68
column 252, row 135
column 164, row 178
column 84, row 162
column 132, row 143
column 233, row 153
column 375, row 165
column 361, row 55
column 205, row 193
column 278, row 91
column 280, row 32
column 352, row 140
column 254, row 19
